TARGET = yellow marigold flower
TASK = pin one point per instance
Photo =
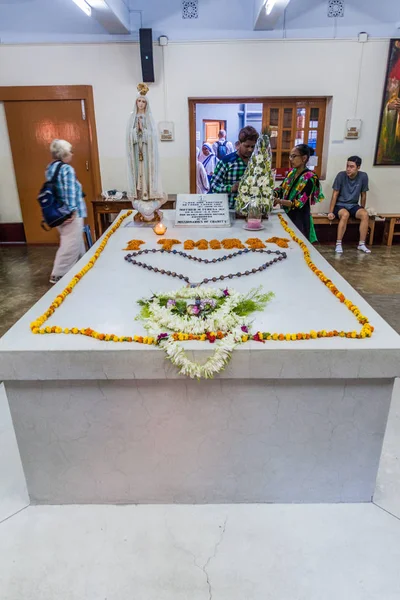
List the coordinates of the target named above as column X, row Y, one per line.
column 245, row 338
column 274, row 336
column 35, row 330
column 288, row 337
column 313, row 334
column 58, row 329
column 354, row 334
column 293, row 337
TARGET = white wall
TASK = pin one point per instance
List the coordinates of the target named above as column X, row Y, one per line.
column 262, row 68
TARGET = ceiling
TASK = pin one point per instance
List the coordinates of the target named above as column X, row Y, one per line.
column 41, row 21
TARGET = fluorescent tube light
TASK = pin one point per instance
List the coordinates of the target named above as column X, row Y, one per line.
column 83, row 5
column 269, row 6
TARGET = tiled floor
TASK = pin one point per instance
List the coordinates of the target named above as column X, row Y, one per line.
column 24, row 278
column 225, row 552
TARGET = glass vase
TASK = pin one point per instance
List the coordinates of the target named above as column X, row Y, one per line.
column 254, row 216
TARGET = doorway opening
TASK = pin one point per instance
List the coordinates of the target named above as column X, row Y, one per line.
column 290, row 121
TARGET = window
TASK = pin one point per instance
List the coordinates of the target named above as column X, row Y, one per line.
column 292, row 122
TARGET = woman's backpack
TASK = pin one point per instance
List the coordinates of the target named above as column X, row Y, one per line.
column 54, row 210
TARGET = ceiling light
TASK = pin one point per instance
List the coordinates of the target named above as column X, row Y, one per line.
column 269, row 6
column 83, row 5
column 98, row 4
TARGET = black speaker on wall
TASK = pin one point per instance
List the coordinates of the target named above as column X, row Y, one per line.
column 146, row 54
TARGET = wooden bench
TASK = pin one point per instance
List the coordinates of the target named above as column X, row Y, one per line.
column 391, row 220
column 323, row 220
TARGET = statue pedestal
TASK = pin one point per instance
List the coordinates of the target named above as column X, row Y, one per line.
column 148, row 213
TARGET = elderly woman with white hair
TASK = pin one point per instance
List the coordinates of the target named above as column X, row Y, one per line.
column 69, row 190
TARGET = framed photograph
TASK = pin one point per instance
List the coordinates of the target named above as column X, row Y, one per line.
column 388, row 142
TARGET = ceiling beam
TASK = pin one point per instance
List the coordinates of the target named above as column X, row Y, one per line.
column 264, row 21
column 113, row 15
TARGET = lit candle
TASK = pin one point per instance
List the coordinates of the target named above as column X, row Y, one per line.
column 160, row 228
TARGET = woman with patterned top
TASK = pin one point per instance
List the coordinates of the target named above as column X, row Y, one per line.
column 300, row 190
column 69, row 190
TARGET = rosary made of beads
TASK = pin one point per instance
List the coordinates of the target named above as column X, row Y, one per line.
column 131, row 258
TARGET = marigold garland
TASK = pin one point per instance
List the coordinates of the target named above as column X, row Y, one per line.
column 366, row 331
column 188, row 245
column 36, row 326
column 215, row 245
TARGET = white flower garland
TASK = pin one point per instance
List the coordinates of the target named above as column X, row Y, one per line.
column 213, row 365
column 222, row 319
column 158, row 318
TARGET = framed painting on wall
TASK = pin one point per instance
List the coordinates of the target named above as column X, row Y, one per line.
column 388, row 142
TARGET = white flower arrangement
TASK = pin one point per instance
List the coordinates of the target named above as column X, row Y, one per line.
column 213, row 365
column 224, row 311
column 257, row 185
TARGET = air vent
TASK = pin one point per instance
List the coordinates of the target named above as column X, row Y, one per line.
column 190, row 9
column 335, row 8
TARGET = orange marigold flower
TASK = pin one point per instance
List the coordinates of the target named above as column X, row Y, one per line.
column 255, row 243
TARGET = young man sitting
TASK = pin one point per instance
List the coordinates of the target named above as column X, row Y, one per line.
column 348, row 186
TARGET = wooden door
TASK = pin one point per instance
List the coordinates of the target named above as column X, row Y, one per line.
column 32, row 125
column 212, row 129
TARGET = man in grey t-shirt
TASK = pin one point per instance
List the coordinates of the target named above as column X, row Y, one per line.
column 349, row 186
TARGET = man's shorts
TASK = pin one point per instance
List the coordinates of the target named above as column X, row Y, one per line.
column 351, row 209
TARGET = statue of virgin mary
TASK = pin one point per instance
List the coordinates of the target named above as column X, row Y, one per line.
column 143, row 163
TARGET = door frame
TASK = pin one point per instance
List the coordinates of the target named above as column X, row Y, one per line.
column 63, row 92
column 230, row 100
